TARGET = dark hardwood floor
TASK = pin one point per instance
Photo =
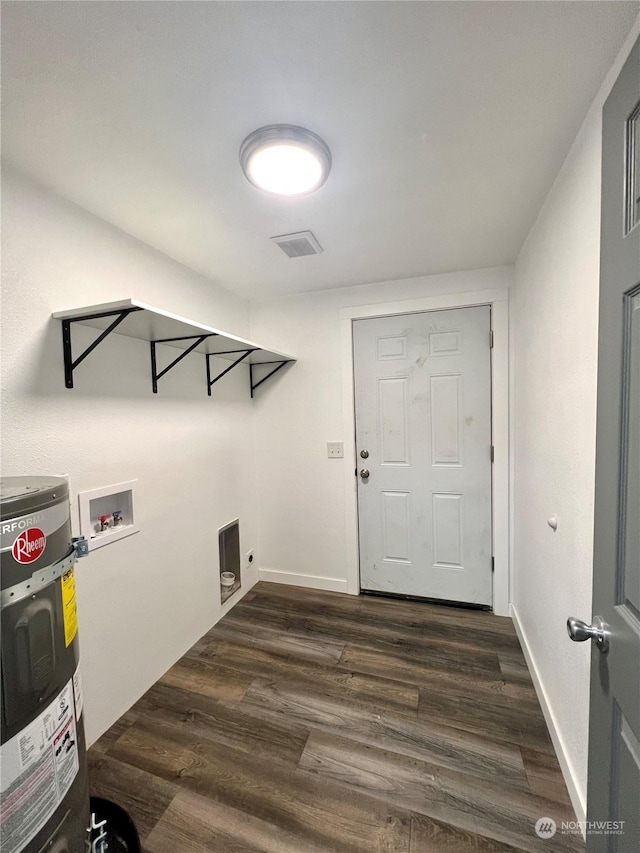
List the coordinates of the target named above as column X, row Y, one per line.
column 316, row 722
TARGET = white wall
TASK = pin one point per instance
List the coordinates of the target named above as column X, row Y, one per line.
column 554, row 323
column 304, row 530
column 144, row 600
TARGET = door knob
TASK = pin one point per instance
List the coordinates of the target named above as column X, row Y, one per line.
column 579, row 631
column 364, row 473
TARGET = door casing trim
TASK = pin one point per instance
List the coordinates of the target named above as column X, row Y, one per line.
column 498, row 299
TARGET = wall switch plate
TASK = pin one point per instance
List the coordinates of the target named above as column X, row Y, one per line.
column 250, row 557
column 335, row 449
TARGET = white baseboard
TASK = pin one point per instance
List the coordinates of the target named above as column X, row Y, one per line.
column 577, row 802
column 309, row 581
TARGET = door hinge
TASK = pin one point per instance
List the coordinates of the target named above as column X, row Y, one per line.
column 492, row 453
column 493, row 564
column 491, row 339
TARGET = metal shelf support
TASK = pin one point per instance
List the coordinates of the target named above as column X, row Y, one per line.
column 197, row 340
column 185, row 336
column 280, row 365
column 244, row 354
column 69, row 363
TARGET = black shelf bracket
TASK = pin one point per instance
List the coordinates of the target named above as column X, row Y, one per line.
column 69, row 363
column 279, row 366
column 243, row 355
column 197, row 340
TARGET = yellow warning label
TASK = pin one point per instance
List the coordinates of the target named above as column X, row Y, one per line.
column 69, row 614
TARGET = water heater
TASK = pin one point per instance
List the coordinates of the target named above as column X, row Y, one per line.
column 43, row 774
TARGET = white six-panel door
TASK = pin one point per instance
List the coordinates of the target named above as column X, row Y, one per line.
column 423, row 434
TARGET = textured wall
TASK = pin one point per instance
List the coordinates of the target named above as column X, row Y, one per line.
column 554, row 332
column 301, row 493
column 145, row 599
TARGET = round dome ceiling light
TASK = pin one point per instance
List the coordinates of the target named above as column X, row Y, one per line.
column 285, row 160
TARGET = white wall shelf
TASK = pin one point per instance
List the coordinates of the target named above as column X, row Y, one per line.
column 137, row 320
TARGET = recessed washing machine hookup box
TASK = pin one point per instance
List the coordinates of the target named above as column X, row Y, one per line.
column 106, row 514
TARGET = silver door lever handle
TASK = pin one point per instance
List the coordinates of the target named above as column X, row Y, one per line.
column 579, row 631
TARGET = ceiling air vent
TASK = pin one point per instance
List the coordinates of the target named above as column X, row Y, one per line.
column 298, row 245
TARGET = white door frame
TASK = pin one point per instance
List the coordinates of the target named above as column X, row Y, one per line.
column 498, row 300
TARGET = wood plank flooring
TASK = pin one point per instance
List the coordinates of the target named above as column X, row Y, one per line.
column 316, row 722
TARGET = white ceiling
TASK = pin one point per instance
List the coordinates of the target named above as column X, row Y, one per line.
column 447, row 123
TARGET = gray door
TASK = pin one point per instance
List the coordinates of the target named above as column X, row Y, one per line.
column 423, row 435
column 614, row 737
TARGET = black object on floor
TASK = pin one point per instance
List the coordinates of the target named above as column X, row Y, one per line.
column 112, row 829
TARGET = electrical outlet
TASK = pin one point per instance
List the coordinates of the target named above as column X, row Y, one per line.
column 335, row 450
column 250, row 557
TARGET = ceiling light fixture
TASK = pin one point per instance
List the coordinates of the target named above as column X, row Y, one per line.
column 285, row 160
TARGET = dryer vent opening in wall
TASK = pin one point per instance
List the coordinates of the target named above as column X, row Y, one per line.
column 229, row 549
